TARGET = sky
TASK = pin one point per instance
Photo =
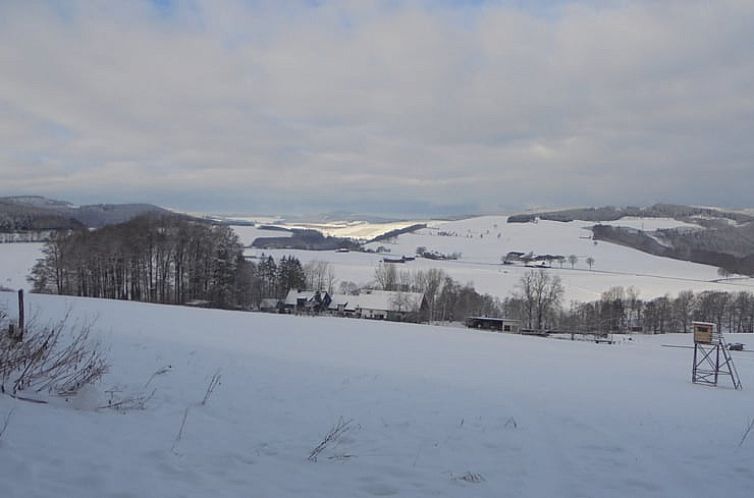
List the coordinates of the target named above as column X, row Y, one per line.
column 382, row 107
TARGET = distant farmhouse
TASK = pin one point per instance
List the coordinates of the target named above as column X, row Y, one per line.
column 306, row 301
column 382, row 305
column 531, row 260
column 491, row 323
column 370, row 304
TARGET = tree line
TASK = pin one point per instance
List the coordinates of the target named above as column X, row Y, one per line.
column 621, row 309
column 537, row 302
column 162, row 259
column 447, row 299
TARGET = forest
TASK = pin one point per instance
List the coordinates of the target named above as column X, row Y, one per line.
column 170, row 260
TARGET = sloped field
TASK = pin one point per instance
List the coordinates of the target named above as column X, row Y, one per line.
column 434, row 412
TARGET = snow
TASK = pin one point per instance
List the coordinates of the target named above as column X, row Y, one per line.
column 523, row 416
column 481, row 251
column 16, row 261
column 358, row 230
column 247, row 234
column 649, row 224
column 379, row 300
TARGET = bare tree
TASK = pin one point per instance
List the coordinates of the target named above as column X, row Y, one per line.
column 320, row 276
column 590, row 261
column 386, row 276
column 634, row 304
column 572, row 260
column 541, row 294
column 430, row 283
column 348, row 287
column 683, row 306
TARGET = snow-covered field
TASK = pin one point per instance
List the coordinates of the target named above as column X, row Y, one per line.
column 435, row 412
column 16, row 261
column 482, row 241
column 358, row 230
column 248, row 234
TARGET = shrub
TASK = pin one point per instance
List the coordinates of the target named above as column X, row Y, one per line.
column 57, row 359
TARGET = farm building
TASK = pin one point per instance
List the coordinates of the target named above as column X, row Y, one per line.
column 343, row 305
column 490, row 323
column 381, row 305
column 305, row 301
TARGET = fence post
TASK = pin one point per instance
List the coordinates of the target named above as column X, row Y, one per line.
column 21, row 323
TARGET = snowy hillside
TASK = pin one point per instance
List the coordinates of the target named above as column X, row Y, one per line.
column 482, row 241
column 435, row 412
column 16, row 261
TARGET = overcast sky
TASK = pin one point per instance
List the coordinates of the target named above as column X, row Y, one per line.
column 386, row 107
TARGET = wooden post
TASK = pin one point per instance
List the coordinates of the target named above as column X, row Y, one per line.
column 21, row 314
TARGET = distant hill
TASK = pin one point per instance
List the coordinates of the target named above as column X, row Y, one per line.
column 32, row 213
column 19, row 216
column 724, row 238
column 310, row 240
column 612, row 213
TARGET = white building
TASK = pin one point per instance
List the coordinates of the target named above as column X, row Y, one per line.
column 380, row 305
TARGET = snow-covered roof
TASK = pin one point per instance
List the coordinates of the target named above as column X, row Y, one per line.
column 294, row 295
column 379, row 300
column 494, row 319
column 338, row 300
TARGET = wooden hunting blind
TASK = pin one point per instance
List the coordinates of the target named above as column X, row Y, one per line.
column 703, row 332
column 711, row 356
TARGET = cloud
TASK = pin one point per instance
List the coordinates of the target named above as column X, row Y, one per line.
column 394, row 107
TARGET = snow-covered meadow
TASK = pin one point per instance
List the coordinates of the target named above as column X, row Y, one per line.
column 435, row 412
column 484, row 240
column 16, row 261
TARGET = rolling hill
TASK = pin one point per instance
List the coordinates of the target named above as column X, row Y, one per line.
column 21, row 213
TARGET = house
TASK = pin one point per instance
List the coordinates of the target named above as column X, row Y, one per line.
column 342, row 305
column 491, row 323
column 381, row 305
column 513, row 257
column 305, row 301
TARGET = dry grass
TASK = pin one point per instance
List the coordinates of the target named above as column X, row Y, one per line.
column 336, row 432
column 57, row 359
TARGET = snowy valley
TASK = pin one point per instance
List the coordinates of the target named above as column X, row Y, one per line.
column 424, row 410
